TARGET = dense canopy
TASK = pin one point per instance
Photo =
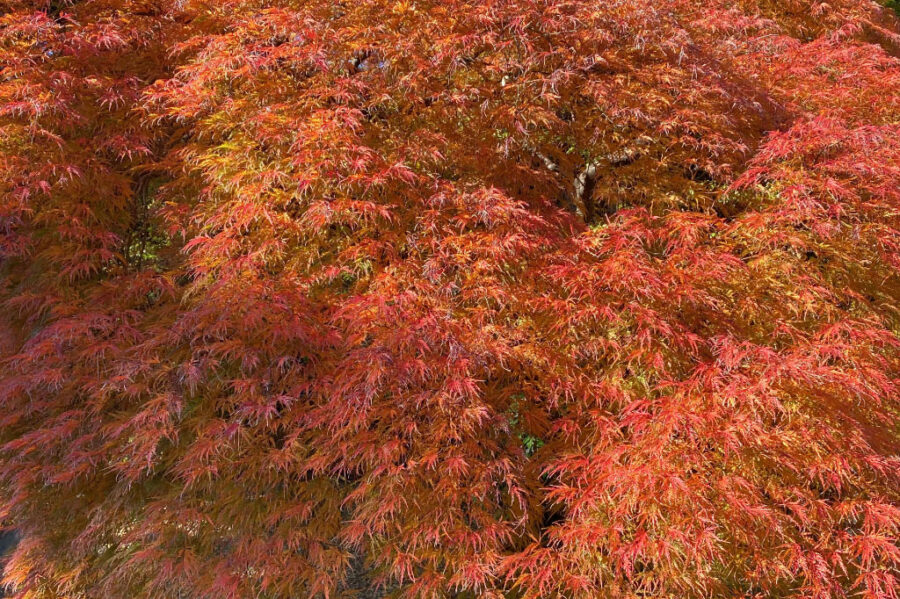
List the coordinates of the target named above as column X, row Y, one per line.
column 450, row 298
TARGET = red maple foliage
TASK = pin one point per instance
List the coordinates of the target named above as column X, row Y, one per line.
column 450, row 298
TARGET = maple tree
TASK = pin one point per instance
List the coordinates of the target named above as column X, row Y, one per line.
column 462, row 298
